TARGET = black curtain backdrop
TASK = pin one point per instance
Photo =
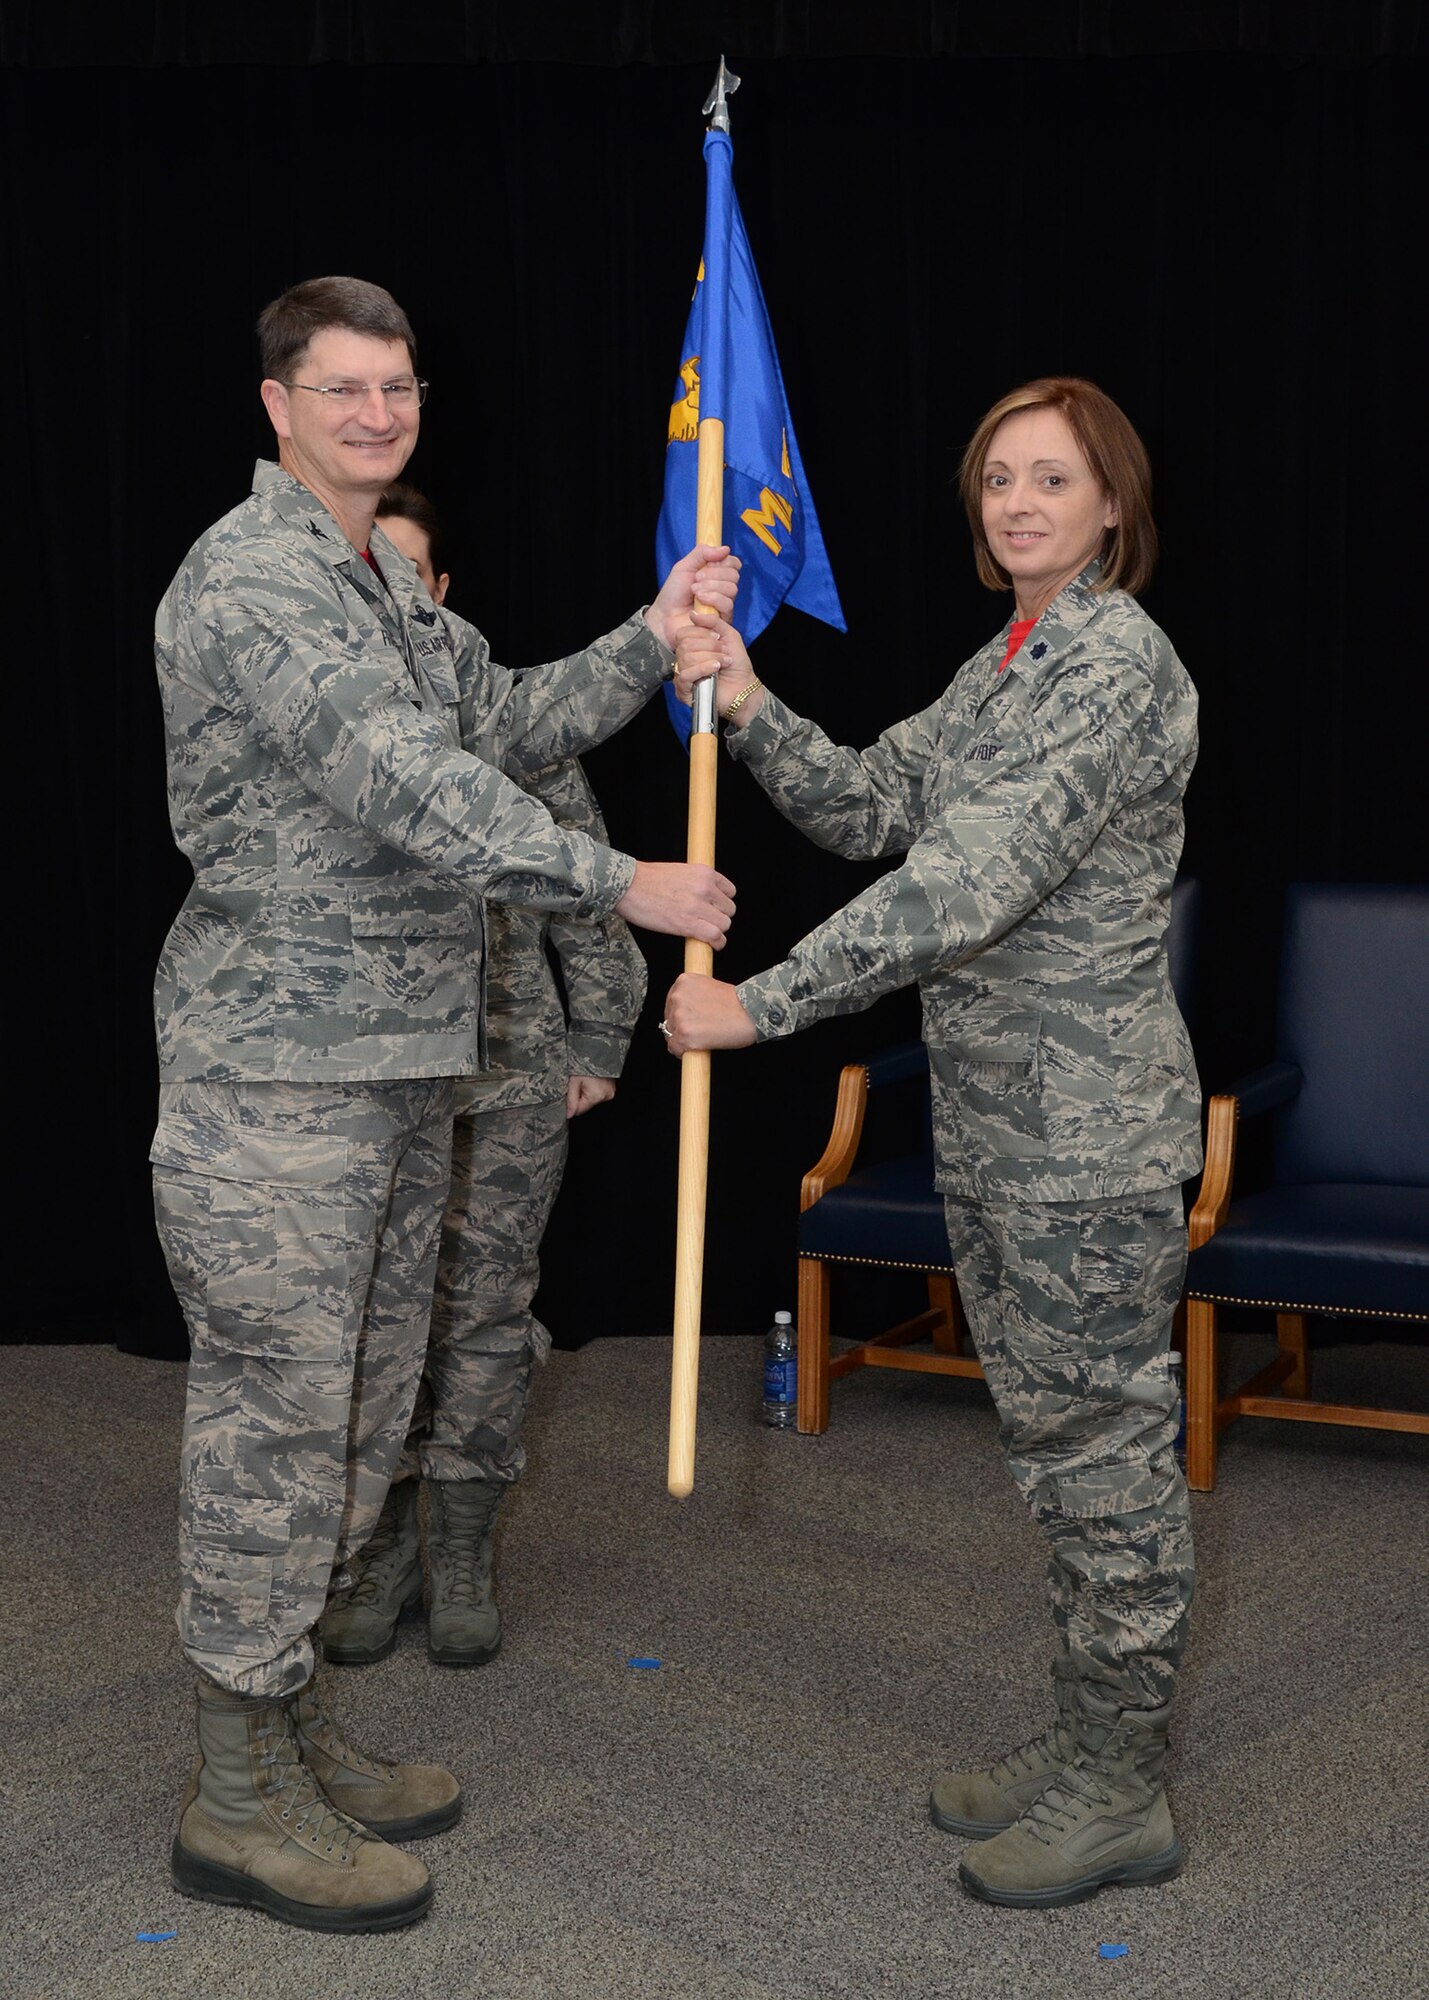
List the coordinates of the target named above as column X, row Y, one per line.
column 1210, row 210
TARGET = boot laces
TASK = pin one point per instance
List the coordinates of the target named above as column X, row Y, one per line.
column 306, row 1810
column 319, row 1725
column 1071, row 1796
column 462, row 1554
column 1053, row 1746
column 380, row 1561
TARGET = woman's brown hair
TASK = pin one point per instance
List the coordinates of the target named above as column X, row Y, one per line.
column 408, row 503
column 1117, row 459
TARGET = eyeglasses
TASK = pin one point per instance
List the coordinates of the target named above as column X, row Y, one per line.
column 406, row 392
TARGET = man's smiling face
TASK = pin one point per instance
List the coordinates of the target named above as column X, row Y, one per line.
column 344, row 453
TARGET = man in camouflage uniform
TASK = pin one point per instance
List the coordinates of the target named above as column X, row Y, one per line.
column 336, row 750
column 509, row 1148
column 1038, row 807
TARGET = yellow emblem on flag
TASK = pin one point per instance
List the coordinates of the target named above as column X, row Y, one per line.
column 760, row 520
column 685, row 415
column 772, row 507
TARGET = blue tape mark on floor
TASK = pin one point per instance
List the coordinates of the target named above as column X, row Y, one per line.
column 640, row 1660
column 154, row 1937
column 1112, row 1950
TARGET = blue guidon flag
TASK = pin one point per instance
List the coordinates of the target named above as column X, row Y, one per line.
column 729, row 369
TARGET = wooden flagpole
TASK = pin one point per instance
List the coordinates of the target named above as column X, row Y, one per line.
column 699, row 957
column 695, row 1063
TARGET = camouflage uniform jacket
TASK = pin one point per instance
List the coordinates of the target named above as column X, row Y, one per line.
column 1040, row 811
column 531, row 1051
column 333, row 751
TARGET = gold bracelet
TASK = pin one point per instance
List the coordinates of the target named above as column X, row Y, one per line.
column 743, row 696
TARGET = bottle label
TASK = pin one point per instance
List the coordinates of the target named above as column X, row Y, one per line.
column 780, row 1380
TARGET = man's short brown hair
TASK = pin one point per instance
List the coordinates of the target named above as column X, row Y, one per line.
column 1116, row 456
column 287, row 325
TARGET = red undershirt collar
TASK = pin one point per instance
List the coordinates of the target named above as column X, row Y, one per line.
column 1015, row 637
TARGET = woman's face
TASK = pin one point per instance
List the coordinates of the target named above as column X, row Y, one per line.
column 1043, row 509
column 412, row 541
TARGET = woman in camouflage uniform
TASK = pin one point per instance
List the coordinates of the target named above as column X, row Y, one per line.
column 1037, row 805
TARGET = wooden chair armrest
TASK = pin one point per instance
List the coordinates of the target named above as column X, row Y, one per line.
column 835, row 1164
column 1214, row 1199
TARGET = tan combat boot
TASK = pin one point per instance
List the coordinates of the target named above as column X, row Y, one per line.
column 362, row 1626
column 980, row 1803
column 258, row 1831
column 397, row 1801
column 1103, row 1819
column 463, row 1623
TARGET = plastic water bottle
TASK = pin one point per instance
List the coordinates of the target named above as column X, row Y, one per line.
column 781, row 1373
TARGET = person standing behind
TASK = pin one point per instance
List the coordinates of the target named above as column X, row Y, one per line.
column 509, row 1144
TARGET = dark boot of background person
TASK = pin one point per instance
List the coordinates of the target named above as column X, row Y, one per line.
column 395, row 1801
column 1103, row 1819
column 257, row 1830
column 980, row 1803
column 463, row 1623
column 362, row 1626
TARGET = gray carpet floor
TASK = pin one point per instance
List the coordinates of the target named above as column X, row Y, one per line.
column 835, row 1618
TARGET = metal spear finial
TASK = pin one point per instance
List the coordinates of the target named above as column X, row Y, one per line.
column 716, row 109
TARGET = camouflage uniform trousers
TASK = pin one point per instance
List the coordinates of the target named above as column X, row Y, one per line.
column 507, row 1165
column 1070, row 1306
column 300, row 1222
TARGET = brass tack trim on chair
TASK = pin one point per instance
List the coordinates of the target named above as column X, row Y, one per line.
column 1291, row 1306
column 878, row 1263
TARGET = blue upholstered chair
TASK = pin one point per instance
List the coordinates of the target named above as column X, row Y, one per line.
column 870, row 1201
column 875, row 1204
column 1343, row 1226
